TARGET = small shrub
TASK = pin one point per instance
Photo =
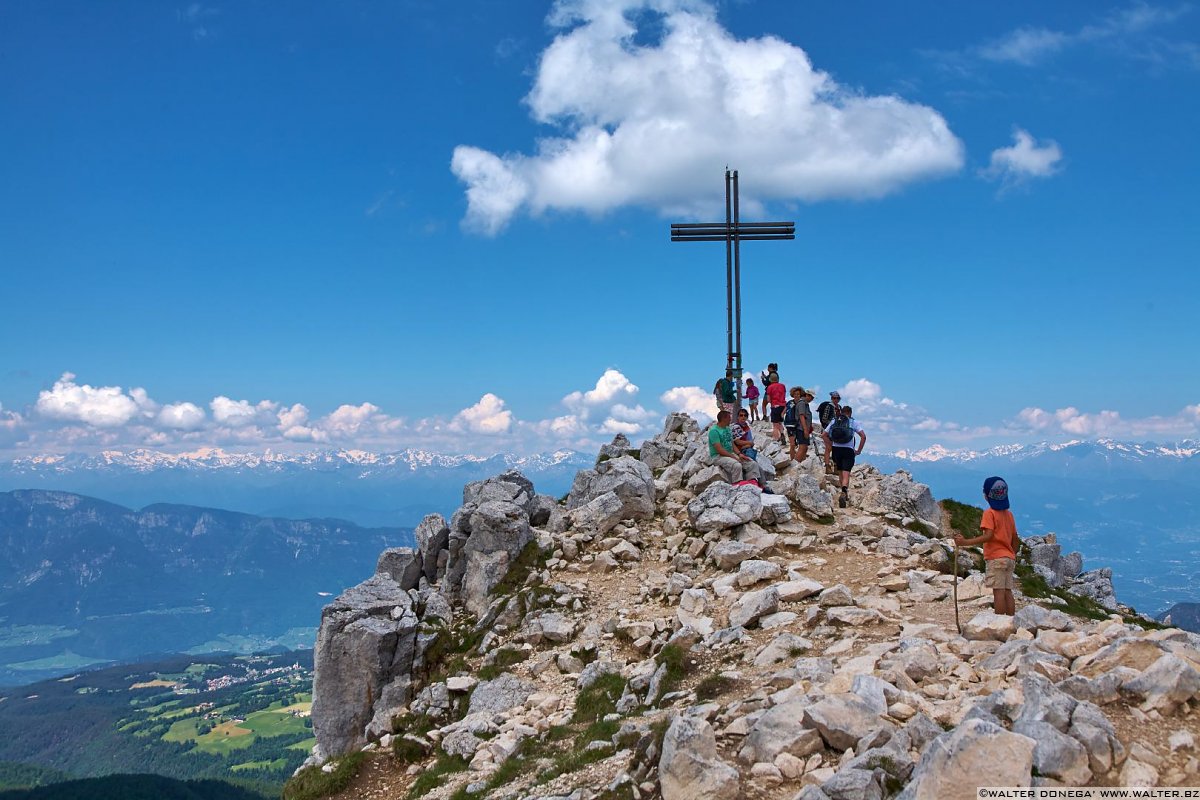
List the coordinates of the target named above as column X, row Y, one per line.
column 713, row 686
column 530, row 559
column 407, row 751
column 311, row 783
column 675, row 660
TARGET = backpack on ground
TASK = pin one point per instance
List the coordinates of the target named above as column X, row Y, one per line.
column 789, row 415
column 841, row 432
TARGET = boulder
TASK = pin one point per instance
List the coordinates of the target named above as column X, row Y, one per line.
column 841, row 719
column 618, row 447
column 780, row 729
column 896, row 494
column 401, row 564
column 1056, row 754
column 499, row 531
column 1167, row 683
column 753, row 571
column 509, row 487
column 366, row 643
column 728, row 554
column 504, row 693
column 781, row 648
column 690, row 767
column 1097, row 585
column 1035, row 618
column 805, row 491
column 986, row 625
column 723, row 506
column 658, row 454
column 599, row 516
column 1092, row 729
column 976, row 753
column 752, row 605
column 776, row 509
column 679, row 422
column 432, row 536
column 850, row 783
column 625, row 476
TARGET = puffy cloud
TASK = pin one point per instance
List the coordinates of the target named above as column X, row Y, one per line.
column 691, row 400
column 611, row 387
column 240, row 413
column 103, row 407
column 1105, row 423
column 1025, row 160
column 487, row 416
column 181, row 416
column 645, row 123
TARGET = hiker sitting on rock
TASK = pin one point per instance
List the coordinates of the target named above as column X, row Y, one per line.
column 743, row 436
column 998, row 535
column 839, row 447
column 723, row 455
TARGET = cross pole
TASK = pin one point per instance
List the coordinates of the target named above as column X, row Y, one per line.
column 732, row 232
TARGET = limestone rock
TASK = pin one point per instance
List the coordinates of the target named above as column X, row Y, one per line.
column 1056, row 755
column 1035, row 618
column 401, row 564
column 752, row 605
column 976, row 753
column 841, row 719
column 626, row 477
column 432, row 536
column 806, row 492
column 599, row 515
column 753, row 571
column 729, row 553
column 361, row 649
column 896, row 494
column 690, row 767
column 504, row 693
column 776, row 509
column 780, row 730
column 1167, row 683
column 722, row 506
column 986, row 625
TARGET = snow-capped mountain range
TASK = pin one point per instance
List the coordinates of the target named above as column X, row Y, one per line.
column 1188, row 448
column 375, row 489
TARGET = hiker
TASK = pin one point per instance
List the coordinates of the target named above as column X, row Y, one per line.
column 839, row 447
column 797, row 421
column 768, row 376
column 752, row 398
column 743, row 436
column 827, row 412
column 722, row 453
column 777, row 397
column 998, row 535
column 725, row 393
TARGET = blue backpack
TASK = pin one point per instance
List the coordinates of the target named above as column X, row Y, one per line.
column 841, row 432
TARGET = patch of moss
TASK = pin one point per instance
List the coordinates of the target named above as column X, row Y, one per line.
column 600, row 699
column 436, row 775
column 311, row 782
column 407, row 751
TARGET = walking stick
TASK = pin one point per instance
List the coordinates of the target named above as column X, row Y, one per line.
column 957, row 624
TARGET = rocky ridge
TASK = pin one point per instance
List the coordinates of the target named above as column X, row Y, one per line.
column 659, row 632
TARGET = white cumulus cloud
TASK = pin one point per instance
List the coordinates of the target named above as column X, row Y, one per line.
column 652, row 124
column 101, row 406
column 181, row 416
column 1026, row 159
column 610, row 388
column 691, row 400
column 241, row 413
column 487, row 416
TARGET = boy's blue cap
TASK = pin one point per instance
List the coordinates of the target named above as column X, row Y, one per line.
column 995, row 490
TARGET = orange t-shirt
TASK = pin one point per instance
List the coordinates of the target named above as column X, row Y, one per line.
column 1004, row 533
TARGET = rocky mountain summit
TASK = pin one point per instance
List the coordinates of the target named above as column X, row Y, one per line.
column 659, row 632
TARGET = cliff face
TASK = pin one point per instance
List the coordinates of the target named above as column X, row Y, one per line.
column 662, row 633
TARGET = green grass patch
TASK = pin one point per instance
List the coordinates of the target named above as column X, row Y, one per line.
column 531, row 558
column 311, row 783
column 600, row 699
column 183, row 730
column 674, row 658
column 505, row 658
column 1035, row 586
column 436, row 775
column 964, row 519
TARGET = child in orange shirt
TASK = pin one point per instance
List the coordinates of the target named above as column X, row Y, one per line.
column 999, row 539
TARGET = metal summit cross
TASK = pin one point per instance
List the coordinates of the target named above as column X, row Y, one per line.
column 732, row 232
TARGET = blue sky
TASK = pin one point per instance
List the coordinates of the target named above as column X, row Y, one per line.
column 416, row 224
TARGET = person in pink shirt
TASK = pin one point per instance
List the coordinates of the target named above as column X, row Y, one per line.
column 752, row 398
column 777, row 397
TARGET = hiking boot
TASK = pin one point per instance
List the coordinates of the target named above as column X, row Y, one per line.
column 844, row 500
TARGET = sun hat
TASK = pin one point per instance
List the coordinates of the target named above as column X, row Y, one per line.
column 995, row 490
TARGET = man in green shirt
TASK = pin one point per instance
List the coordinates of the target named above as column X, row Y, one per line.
column 724, row 456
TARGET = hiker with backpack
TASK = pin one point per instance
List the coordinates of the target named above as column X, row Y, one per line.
column 724, row 455
column 840, row 448
column 797, row 421
column 725, row 393
column 767, row 377
column 827, row 412
column 777, row 397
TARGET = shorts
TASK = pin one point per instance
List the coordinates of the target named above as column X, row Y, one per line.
column 777, row 413
column 797, row 434
column 843, row 458
column 999, row 573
